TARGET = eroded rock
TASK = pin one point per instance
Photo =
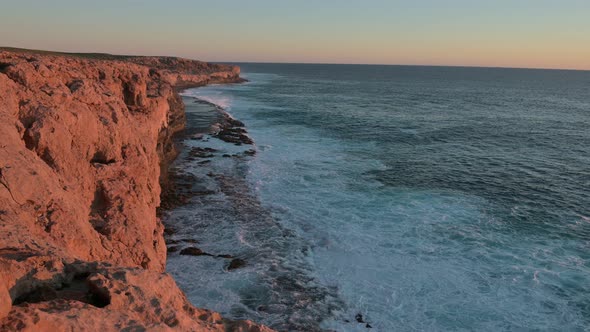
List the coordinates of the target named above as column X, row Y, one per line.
column 83, row 143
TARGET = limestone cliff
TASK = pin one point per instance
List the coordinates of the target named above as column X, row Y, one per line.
column 81, row 144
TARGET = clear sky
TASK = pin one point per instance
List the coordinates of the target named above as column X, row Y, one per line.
column 505, row 33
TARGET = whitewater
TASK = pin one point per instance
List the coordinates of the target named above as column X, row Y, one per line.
column 420, row 198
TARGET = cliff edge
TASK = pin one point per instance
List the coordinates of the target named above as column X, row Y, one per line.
column 82, row 142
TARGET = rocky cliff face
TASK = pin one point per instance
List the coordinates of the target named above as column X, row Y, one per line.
column 81, row 144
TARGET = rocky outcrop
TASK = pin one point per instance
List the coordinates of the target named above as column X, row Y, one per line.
column 81, row 144
column 182, row 73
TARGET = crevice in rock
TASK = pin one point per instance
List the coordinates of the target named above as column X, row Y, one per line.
column 114, row 117
column 16, row 77
column 45, row 154
column 31, row 139
column 98, row 209
column 101, row 158
column 124, row 151
column 129, row 96
column 75, row 85
column 27, row 121
column 48, row 158
column 77, row 289
column 44, row 218
column 16, row 254
column 28, row 139
column 153, row 85
column 154, row 74
column 4, row 183
column 4, row 66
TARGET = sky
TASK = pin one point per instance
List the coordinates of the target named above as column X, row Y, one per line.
column 495, row 33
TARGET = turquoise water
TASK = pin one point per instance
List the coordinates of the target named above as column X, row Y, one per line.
column 423, row 198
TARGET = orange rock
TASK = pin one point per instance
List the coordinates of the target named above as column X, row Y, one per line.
column 82, row 142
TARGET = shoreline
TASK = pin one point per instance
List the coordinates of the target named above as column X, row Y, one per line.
column 224, row 217
column 179, row 187
column 170, row 197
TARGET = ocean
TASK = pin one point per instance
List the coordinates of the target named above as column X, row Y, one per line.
column 400, row 198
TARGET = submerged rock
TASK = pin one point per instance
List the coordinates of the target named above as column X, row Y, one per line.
column 236, row 263
column 201, row 152
column 359, row 318
column 192, row 251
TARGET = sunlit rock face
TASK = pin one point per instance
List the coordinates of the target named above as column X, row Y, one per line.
column 82, row 144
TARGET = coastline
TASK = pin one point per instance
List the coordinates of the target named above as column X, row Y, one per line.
column 220, row 217
column 177, row 187
column 173, row 194
column 84, row 144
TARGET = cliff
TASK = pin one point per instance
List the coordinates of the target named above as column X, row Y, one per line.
column 82, row 142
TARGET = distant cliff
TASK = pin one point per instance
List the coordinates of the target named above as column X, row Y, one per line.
column 82, row 139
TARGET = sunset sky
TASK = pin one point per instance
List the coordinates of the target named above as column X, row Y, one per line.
column 504, row 33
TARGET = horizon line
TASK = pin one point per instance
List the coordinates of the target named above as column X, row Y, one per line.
column 11, row 48
column 396, row 65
